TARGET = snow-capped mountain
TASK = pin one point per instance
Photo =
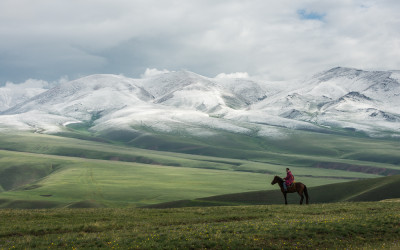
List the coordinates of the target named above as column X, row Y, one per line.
column 85, row 96
column 341, row 97
column 183, row 101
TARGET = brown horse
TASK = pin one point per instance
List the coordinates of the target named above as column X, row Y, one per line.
column 298, row 187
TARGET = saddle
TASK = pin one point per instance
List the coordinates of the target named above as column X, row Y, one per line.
column 291, row 187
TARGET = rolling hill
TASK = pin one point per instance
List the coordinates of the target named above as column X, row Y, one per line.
column 44, row 171
column 377, row 189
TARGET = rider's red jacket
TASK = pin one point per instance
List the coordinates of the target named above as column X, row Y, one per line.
column 289, row 179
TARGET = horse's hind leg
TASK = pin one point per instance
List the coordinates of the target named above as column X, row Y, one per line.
column 302, row 197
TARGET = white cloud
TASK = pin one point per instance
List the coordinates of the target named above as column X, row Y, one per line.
column 233, row 75
column 28, row 84
column 152, row 72
column 12, row 94
column 278, row 39
column 34, row 84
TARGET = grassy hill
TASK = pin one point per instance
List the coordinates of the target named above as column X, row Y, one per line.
column 43, row 171
column 376, row 189
column 350, row 225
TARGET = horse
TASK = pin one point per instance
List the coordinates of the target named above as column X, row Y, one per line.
column 298, row 187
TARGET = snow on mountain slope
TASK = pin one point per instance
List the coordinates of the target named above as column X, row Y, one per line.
column 341, row 97
column 36, row 121
column 184, row 101
column 387, row 92
column 350, row 102
column 364, row 95
column 86, row 96
column 338, row 82
column 163, row 84
column 187, row 102
column 185, row 89
column 246, row 92
column 196, row 96
column 168, row 120
column 181, row 98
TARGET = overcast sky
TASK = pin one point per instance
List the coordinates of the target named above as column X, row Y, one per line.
column 274, row 39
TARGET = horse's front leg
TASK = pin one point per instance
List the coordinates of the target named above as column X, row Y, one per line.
column 284, row 195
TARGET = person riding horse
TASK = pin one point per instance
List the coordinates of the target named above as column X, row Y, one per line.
column 298, row 187
column 289, row 179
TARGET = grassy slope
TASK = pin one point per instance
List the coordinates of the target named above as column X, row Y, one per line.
column 115, row 183
column 321, row 226
column 285, row 149
column 310, row 151
column 376, row 189
column 61, row 171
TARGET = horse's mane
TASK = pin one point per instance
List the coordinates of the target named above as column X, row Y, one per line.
column 279, row 178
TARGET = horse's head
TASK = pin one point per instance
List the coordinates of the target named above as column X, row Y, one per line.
column 276, row 180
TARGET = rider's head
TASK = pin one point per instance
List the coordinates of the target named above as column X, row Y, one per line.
column 287, row 169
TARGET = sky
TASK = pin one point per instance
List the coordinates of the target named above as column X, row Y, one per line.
column 54, row 40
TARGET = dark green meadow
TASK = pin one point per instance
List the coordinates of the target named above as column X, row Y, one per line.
column 320, row 226
column 376, row 189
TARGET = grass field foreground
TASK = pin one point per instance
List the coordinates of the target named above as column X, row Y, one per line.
column 320, row 226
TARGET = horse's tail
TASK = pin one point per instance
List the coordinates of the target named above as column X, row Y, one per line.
column 306, row 193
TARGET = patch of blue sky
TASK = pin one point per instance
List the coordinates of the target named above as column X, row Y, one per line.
column 310, row 15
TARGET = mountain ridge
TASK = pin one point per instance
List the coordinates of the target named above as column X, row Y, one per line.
column 365, row 101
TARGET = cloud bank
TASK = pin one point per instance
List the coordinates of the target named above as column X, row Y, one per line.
column 233, row 75
column 152, row 72
column 278, row 40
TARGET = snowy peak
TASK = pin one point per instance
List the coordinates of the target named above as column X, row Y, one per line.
column 340, row 72
column 98, row 83
column 352, row 101
column 166, row 83
column 188, row 90
column 378, row 114
column 355, row 74
column 247, row 92
column 355, row 96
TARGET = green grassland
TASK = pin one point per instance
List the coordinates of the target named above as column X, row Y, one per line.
column 370, row 225
column 116, row 183
column 215, row 191
column 376, row 189
column 59, row 181
column 45, row 171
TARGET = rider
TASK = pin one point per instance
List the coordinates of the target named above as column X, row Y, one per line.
column 289, row 179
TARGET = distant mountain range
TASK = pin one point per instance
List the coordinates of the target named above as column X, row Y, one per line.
column 338, row 100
